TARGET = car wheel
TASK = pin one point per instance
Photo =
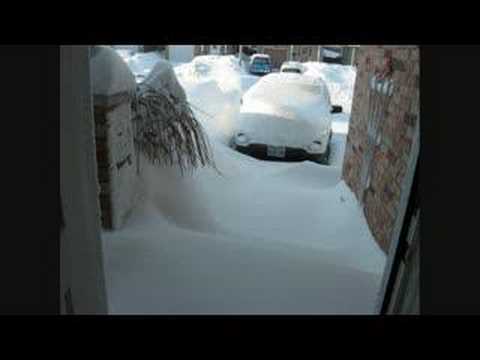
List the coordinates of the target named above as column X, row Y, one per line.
column 324, row 158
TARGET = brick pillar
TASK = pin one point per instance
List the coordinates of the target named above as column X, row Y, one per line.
column 113, row 86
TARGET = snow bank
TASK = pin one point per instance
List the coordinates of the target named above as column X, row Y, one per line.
column 211, row 66
column 162, row 76
column 141, row 63
column 340, row 80
column 214, row 90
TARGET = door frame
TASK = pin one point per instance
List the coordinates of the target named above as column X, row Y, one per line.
column 82, row 277
column 400, row 219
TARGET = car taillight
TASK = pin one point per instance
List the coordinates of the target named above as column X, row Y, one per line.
column 315, row 147
column 241, row 139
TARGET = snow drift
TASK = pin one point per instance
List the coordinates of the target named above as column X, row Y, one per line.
column 214, row 90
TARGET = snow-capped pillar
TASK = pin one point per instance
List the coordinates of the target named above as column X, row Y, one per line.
column 113, row 86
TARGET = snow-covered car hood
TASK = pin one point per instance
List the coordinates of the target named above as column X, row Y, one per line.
column 278, row 112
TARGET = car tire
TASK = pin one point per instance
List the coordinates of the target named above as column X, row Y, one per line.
column 323, row 159
column 326, row 160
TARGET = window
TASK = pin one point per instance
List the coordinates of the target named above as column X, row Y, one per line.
column 292, row 71
column 261, row 61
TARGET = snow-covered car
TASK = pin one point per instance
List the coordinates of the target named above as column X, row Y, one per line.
column 286, row 116
column 292, row 67
column 331, row 55
column 260, row 64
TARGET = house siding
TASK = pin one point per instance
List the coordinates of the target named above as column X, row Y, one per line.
column 221, row 49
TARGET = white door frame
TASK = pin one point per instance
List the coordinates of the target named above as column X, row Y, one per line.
column 402, row 207
column 82, row 278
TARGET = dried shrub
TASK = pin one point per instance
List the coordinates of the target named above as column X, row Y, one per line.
column 166, row 130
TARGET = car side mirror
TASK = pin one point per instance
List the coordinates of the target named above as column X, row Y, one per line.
column 336, row 109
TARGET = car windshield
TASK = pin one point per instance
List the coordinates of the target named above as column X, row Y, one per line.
column 261, row 61
column 291, row 70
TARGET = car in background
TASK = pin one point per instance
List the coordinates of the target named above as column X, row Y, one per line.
column 286, row 117
column 292, row 67
column 260, row 64
column 331, row 55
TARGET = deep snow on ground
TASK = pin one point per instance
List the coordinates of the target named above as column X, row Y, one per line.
column 262, row 237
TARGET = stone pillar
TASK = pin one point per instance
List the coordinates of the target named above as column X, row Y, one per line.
column 113, row 86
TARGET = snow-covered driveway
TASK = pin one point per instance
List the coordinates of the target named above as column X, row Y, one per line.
column 261, row 237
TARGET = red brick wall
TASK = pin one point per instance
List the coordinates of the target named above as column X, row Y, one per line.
column 390, row 157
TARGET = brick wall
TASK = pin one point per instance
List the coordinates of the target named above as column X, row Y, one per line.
column 304, row 53
column 278, row 54
column 301, row 53
column 395, row 133
column 222, row 49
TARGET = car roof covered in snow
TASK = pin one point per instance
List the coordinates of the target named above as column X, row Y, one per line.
column 292, row 64
column 305, row 82
column 288, row 95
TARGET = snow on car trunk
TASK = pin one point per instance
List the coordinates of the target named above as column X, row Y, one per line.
column 277, row 130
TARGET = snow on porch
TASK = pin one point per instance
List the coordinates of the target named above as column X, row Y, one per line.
column 261, row 238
